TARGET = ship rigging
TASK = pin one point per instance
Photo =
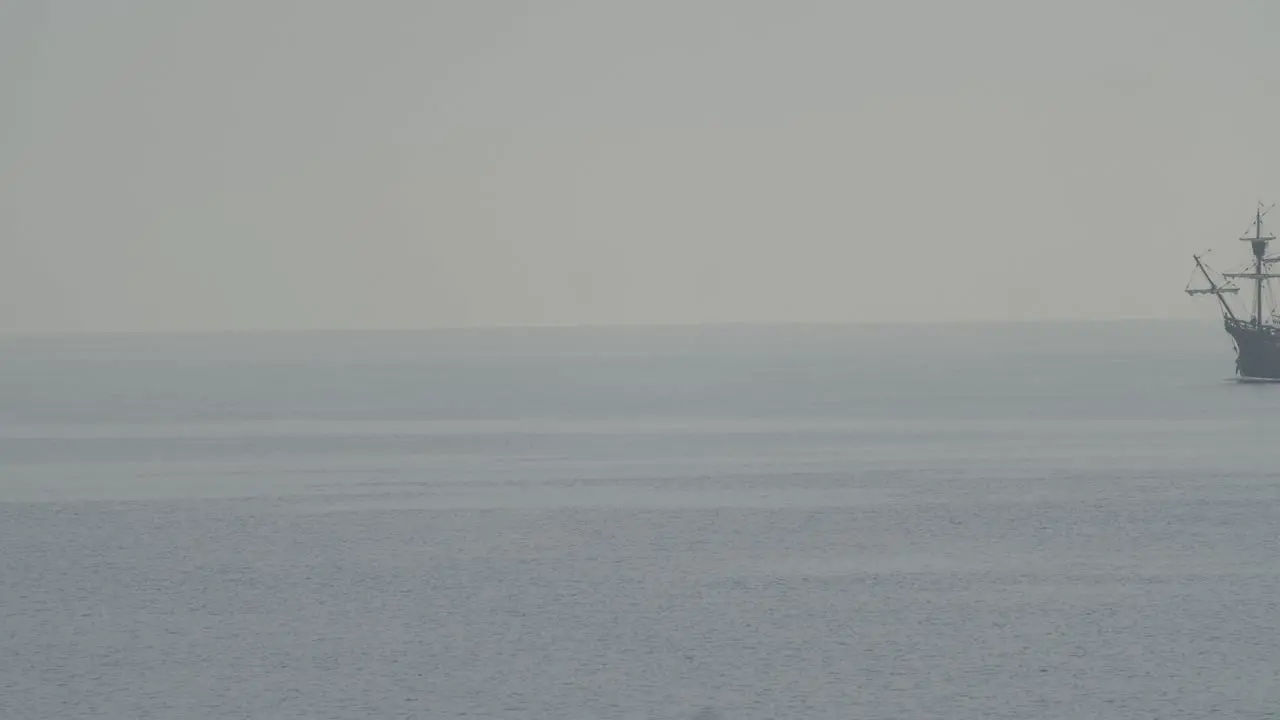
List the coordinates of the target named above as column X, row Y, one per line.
column 1255, row 334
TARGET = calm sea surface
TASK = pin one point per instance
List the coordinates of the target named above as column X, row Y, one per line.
column 1062, row 521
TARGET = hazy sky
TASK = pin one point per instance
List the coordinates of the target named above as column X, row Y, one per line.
column 407, row 163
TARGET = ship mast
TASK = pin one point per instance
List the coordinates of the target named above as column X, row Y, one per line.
column 1214, row 289
column 1259, row 244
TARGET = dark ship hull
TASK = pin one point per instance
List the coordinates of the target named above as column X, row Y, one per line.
column 1257, row 349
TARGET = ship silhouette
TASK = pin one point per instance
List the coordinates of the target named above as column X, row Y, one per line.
column 1255, row 334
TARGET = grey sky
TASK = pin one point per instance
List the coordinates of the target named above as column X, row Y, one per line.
column 392, row 163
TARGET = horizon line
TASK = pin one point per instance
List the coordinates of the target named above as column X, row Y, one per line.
column 285, row 330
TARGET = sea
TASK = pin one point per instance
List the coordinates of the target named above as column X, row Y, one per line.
column 967, row 521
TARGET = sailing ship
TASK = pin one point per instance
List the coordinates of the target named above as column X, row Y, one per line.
column 1255, row 335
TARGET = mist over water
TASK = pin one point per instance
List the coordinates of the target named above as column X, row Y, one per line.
column 960, row 521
